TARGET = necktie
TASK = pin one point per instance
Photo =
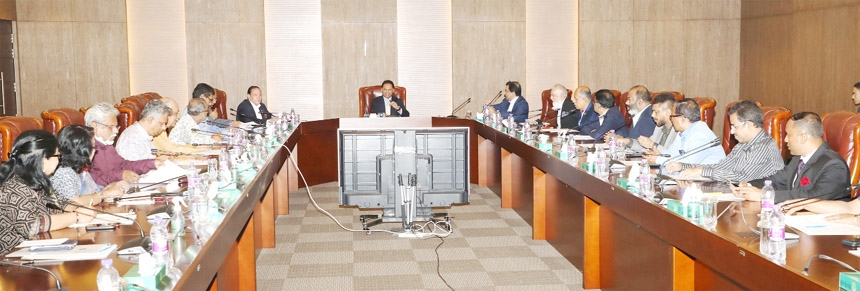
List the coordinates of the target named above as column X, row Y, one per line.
column 387, row 107
column 601, row 119
column 799, row 169
column 664, row 136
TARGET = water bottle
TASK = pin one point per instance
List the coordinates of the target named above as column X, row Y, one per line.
column 224, row 166
column 158, row 235
column 512, row 125
column 767, row 195
column 764, row 227
column 177, row 220
column 108, row 278
column 602, row 167
column 613, row 145
column 776, row 244
column 645, row 186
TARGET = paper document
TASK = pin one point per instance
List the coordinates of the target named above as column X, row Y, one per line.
column 167, row 171
column 678, row 178
column 581, row 137
column 720, row 196
column 79, row 253
column 41, row 242
column 816, row 224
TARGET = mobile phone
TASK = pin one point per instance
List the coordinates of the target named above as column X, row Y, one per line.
column 101, row 227
column 851, row 242
column 67, row 245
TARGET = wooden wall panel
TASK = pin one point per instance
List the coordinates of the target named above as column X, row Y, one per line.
column 489, row 49
column 356, row 54
column 801, row 55
column 100, row 71
column 424, row 56
column 294, row 57
column 157, row 59
column 46, row 62
column 98, row 10
column 366, row 11
column 8, row 11
column 679, row 45
column 44, row 10
column 551, row 47
column 226, row 52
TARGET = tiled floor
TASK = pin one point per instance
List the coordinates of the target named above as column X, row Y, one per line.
column 491, row 249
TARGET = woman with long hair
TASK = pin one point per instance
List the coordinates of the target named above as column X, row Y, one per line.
column 28, row 204
column 72, row 177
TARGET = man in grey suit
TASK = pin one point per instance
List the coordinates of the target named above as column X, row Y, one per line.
column 815, row 171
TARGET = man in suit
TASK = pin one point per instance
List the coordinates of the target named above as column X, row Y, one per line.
column 582, row 101
column 609, row 117
column 252, row 108
column 814, row 171
column 639, row 107
column 568, row 115
column 387, row 104
column 513, row 104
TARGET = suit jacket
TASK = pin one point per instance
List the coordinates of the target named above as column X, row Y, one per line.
column 245, row 112
column 645, row 125
column 588, row 116
column 378, row 106
column 824, row 176
column 612, row 120
column 520, row 110
column 569, row 115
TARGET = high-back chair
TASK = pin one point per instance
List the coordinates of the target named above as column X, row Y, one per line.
column 707, row 108
column 57, row 118
column 775, row 119
column 220, row 104
column 367, row 93
column 547, row 115
column 842, row 134
column 11, row 127
column 676, row 94
column 729, row 140
column 129, row 113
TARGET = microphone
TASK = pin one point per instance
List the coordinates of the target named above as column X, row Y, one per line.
column 707, row 145
column 56, row 279
column 495, row 98
column 169, row 153
column 459, row 107
column 209, row 132
column 134, row 246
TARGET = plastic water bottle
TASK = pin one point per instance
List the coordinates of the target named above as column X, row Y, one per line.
column 645, row 186
column 602, row 167
column 158, row 234
column 776, row 243
column 177, row 221
column 767, row 195
column 108, row 278
column 613, row 145
column 224, row 166
column 764, row 227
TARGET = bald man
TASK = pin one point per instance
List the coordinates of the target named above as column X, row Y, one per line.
column 582, row 101
column 162, row 142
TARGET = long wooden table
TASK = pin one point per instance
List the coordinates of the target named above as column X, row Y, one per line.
column 617, row 240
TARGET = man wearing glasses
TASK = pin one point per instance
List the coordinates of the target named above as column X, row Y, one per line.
column 754, row 157
column 108, row 166
column 692, row 133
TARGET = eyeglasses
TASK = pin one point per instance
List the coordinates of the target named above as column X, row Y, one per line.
column 108, row 126
column 57, row 155
column 736, row 125
column 675, row 115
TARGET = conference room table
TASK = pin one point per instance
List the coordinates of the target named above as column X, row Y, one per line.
column 618, row 240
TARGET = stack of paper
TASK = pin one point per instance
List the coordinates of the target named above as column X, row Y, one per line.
column 78, row 253
column 107, row 219
column 817, row 224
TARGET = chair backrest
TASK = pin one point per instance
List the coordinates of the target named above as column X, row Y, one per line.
column 129, row 113
column 729, row 140
column 56, row 119
column 775, row 119
column 367, row 93
column 220, row 103
column 842, row 134
column 676, row 94
column 140, row 100
column 11, row 127
column 707, row 108
column 547, row 115
column 83, row 110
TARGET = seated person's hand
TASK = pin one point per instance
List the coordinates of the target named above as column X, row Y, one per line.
column 645, row 142
column 673, row 167
column 652, row 159
column 491, row 109
column 85, row 215
column 845, row 218
column 236, row 123
column 691, row 173
column 794, row 206
column 394, row 105
column 213, row 114
column 607, row 136
column 159, row 161
column 130, row 176
column 115, row 189
column 748, row 192
column 216, row 138
column 623, row 142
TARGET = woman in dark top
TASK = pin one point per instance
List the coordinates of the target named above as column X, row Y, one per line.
column 26, row 192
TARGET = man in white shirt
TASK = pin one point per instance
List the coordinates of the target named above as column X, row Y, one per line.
column 692, row 134
column 135, row 143
column 185, row 133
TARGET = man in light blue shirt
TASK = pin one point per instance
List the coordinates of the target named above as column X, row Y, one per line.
column 692, row 134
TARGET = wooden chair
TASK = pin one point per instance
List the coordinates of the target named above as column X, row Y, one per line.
column 775, row 119
column 707, row 108
column 11, row 127
column 367, row 93
column 129, row 113
column 220, row 104
column 56, row 119
column 729, row 140
column 842, row 134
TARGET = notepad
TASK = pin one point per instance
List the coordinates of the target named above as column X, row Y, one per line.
column 816, row 224
column 78, row 253
column 41, row 242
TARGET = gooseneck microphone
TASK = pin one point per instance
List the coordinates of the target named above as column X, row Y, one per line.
column 209, row 132
column 495, row 98
column 459, row 107
column 707, row 145
column 56, row 279
column 134, row 246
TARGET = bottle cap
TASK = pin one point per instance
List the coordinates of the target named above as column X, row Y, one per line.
column 107, row 262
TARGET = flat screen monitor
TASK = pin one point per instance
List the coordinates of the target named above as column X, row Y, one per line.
column 374, row 163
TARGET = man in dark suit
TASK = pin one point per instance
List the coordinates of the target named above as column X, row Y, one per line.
column 568, row 115
column 814, row 171
column 387, row 104
column 609, row 117
column 514, row 104
column 639, row 107
column 582, row 101
column 252, row 108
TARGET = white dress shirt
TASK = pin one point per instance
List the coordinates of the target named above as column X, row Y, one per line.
column 134, row 144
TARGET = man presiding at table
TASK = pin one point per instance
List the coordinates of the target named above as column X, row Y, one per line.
column 387, row 104
column 815, row 171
